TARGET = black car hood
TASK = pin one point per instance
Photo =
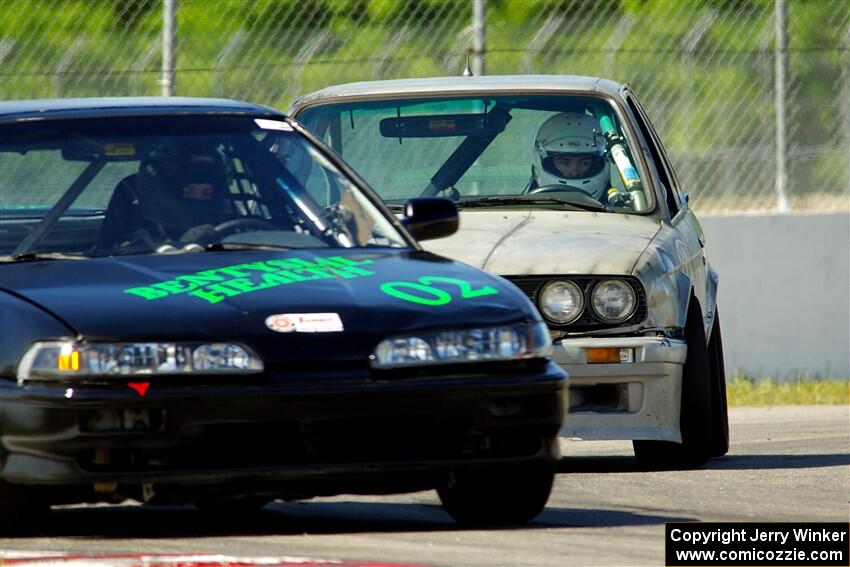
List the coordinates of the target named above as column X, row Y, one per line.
column 228, row 296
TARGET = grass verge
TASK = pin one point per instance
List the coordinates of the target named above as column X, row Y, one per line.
column 745, row 391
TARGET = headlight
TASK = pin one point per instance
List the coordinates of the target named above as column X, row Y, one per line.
column 71, row 360
column 561, row 302
column 613, row 300
column 468, row 345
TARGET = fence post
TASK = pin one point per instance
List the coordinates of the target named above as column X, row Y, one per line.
column 780, row 50
column 169, row 28
column 479, row 35
column 846, row 97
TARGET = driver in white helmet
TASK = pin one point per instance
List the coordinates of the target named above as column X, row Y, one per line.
column 570, row 149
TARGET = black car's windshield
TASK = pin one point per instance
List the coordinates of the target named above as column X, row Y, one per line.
column 544, row 151
column 144, row 185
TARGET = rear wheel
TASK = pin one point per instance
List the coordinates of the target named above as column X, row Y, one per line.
column 696, row 418
column 504, row 496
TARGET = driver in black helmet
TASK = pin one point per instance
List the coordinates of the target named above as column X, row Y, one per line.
column 191, row 191
column 176, row 200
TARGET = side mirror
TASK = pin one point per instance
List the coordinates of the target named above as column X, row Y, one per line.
column 427, row 218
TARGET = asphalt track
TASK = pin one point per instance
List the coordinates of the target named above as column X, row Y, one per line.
column 785, row 464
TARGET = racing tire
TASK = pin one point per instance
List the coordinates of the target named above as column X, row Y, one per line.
column 19, row 507
column 719, row 406
column 497, row 497
column 231, row 506
column 696, row 417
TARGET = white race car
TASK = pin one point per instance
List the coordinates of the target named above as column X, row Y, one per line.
column 566, row 190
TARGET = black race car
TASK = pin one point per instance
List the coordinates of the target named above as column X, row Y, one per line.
column 200, row 304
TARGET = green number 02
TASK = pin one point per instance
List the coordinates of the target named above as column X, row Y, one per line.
column 433, row 295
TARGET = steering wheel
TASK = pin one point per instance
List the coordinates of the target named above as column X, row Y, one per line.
column 583, row 196
column 235, row 225
column 558, row 188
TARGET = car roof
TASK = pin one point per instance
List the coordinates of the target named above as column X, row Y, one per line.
column 60, row 108
column 461, row 85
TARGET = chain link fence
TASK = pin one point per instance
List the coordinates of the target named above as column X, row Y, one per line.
column 705, row 69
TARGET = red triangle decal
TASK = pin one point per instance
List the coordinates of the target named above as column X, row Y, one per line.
column 140, row 387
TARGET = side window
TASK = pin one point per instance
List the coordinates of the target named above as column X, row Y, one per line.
column 664, row 157
column 99, row 191
column 656, row 151
column 321, row 188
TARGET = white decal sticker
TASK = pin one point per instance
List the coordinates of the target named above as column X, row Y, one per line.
column 304, row 322
column 267, row 124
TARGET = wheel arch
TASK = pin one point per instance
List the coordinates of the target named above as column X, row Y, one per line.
column 684, row 295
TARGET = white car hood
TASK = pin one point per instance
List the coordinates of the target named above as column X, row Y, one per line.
column 548, row 242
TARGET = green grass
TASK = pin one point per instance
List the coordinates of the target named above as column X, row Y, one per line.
column 745, row 391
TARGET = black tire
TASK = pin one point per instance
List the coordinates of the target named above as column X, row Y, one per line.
column 695, row 419
column 231, row 506
column 719, row 407
column 497, row 497
column 20, row 507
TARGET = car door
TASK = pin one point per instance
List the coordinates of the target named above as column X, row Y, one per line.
column 689, row 239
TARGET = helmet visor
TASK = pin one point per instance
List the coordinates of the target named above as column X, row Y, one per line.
column 180, row 171
column 573, row 166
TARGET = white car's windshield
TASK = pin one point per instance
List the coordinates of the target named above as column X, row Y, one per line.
column 99, row 187
column 494, row 151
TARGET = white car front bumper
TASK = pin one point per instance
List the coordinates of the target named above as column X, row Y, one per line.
column 629, row 400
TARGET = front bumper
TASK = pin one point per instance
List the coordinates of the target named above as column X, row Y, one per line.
column 191, row 436
column 636, row 400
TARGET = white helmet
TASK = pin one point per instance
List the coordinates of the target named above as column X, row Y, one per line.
column 572, row 134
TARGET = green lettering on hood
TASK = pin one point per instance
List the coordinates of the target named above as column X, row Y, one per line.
column 218, row 284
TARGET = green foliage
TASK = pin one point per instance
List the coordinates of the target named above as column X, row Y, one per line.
column 411, row 12
column 283, row 14
column 703, row 68
column 524, row 12
column 744, row 391
column 128, row 13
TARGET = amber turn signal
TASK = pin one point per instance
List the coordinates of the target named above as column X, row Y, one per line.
column 609, row 355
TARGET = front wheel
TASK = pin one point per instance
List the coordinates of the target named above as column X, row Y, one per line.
column 696, row 416
column 719, row 405
column 497, row 497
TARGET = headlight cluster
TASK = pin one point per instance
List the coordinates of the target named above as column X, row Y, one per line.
column 468, row 345
column 70, row 360
column 563, row 302
column 613, row 300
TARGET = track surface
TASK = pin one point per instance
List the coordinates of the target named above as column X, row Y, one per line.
column 785, row 464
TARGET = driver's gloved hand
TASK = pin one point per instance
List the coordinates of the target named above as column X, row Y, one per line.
column 137, row 241
column 202, row 234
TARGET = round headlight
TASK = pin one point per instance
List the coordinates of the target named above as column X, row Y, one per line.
column 613, row 300
column 561, row 302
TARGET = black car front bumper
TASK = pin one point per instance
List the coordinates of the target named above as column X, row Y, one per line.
column 315, row 440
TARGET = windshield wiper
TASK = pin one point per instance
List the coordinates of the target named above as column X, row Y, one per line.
column 28, row 256
column 499, row 200
column 220, row 246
